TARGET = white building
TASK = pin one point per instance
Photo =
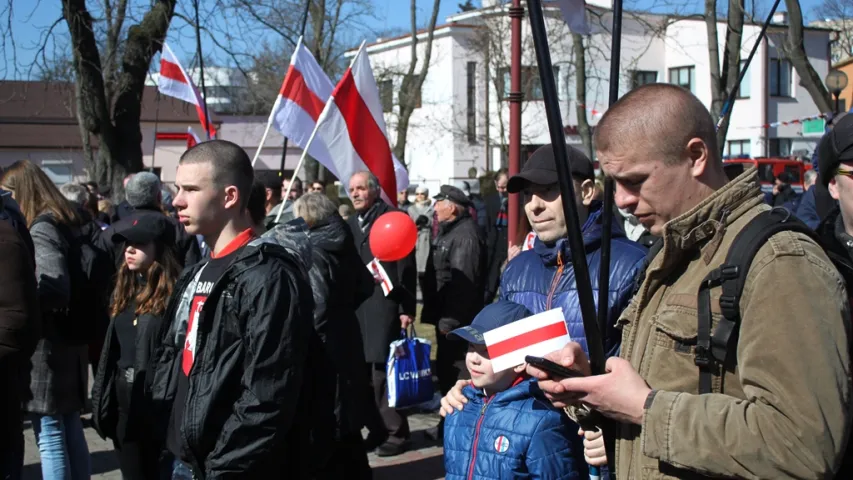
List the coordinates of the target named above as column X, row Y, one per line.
column 450, row 139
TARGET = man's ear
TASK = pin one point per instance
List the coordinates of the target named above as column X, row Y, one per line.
column 232, row 196
column 699, row 156
column 833, row 188
column 587, row 192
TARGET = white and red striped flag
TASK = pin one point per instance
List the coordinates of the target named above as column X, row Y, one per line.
column 175, row 82
column 353, row 130
column 574, row 13
column 536, row 335
column 304, row 92
column 192, row 138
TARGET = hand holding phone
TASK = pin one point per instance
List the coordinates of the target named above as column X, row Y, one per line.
column 554, row 369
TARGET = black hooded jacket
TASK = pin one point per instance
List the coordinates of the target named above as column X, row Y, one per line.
column 250, row 383
column 340, row 283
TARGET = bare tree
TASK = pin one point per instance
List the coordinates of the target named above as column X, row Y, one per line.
column 410, row 89
column 724, row 74
column 109, row 96
column 838, row 15
column 795, row 50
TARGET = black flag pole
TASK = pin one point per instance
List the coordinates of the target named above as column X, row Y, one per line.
column 609, row 428
column 558, row 143
column 301, row 35
column 729, row 105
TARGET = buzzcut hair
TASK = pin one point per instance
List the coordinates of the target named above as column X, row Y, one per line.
column 229, row 162
column 660, row 117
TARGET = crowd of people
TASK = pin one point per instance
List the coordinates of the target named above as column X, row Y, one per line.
column 236, row 328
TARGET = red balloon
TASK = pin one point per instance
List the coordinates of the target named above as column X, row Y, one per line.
column 393, row 236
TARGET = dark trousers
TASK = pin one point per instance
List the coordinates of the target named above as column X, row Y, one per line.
column 382, row 419
column 12, row 448
column 450, row 361
column 138, row 457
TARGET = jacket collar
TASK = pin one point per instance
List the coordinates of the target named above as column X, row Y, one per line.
column 591, row 231
column 445, row 227
column 520, row 390
column 710, row 217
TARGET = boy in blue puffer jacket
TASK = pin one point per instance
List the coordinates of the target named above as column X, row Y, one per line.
column 507, row 430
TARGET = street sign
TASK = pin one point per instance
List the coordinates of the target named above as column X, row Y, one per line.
column 814, row 127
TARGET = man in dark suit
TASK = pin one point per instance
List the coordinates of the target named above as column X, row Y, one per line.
column 381, row 316
column 497, row 216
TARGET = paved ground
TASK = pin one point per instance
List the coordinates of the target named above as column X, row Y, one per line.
column 423, row 462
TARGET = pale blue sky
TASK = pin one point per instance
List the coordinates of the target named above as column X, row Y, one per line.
column 33, row 18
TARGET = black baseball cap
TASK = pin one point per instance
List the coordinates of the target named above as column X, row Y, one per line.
column 541, row 168
column 144, row 229
column 836, row 147
column 494, row 315
column 454, row 194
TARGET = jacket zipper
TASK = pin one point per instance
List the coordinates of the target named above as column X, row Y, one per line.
column 556, row 280
column 477, row 438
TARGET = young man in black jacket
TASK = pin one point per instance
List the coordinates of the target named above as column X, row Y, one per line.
column 229, row 374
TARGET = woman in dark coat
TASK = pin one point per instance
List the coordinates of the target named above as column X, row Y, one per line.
column 143, row 287
column 340, row 283
column 59, row 373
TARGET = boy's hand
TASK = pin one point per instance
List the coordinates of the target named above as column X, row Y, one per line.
column 593, row 448
column 454, row 400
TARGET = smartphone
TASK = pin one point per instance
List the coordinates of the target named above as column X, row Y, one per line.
column 553, row 368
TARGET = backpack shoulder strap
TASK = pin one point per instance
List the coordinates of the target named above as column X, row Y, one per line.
column 712, row 350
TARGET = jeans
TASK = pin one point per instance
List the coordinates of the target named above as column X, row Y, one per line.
column 180, row 471
column 62, row 446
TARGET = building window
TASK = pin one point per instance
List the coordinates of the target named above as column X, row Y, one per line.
column 780, row 147
column 410, row 86
column 643, row 77
column 682, row 76
column 386, row 95
column 471, row 93
column 738, row 149
column 530, row 84
column 780, row 78
column 60, row 172
column 743, row 88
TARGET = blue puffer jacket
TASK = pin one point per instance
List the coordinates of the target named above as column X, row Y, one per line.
column 513, row 434
column 532, row 278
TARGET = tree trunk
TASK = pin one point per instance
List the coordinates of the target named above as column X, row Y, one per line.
column 797, row 55
column 412, row 85
column 731, row 62
column 120, row 136
column 584, row 131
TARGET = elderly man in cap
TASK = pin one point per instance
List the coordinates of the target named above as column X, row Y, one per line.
column 454, row 281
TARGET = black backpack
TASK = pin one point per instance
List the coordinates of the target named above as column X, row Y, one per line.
column 712, row 350
column 90, row 271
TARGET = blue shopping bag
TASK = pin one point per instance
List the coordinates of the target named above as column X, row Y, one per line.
column 409, row 372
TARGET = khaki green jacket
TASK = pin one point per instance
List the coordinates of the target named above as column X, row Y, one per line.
column 784, row 411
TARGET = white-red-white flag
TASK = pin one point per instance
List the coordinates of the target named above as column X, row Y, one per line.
column 536, row 335
column 304, row 92
column 574, row 13
column 175, row 82
column 192, row 138
column 353, row 130
column 380, row 276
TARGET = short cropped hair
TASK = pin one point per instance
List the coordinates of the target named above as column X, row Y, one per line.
column 257, row 203
column 660, row 117
column 314, row 208
column 229, row 162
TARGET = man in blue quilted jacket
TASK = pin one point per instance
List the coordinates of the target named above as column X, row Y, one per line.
column 508, row 429
column 542, row 278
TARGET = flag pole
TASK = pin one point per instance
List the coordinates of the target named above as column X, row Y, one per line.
column 311, row 139
column 301, row 36
column 201, row 66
